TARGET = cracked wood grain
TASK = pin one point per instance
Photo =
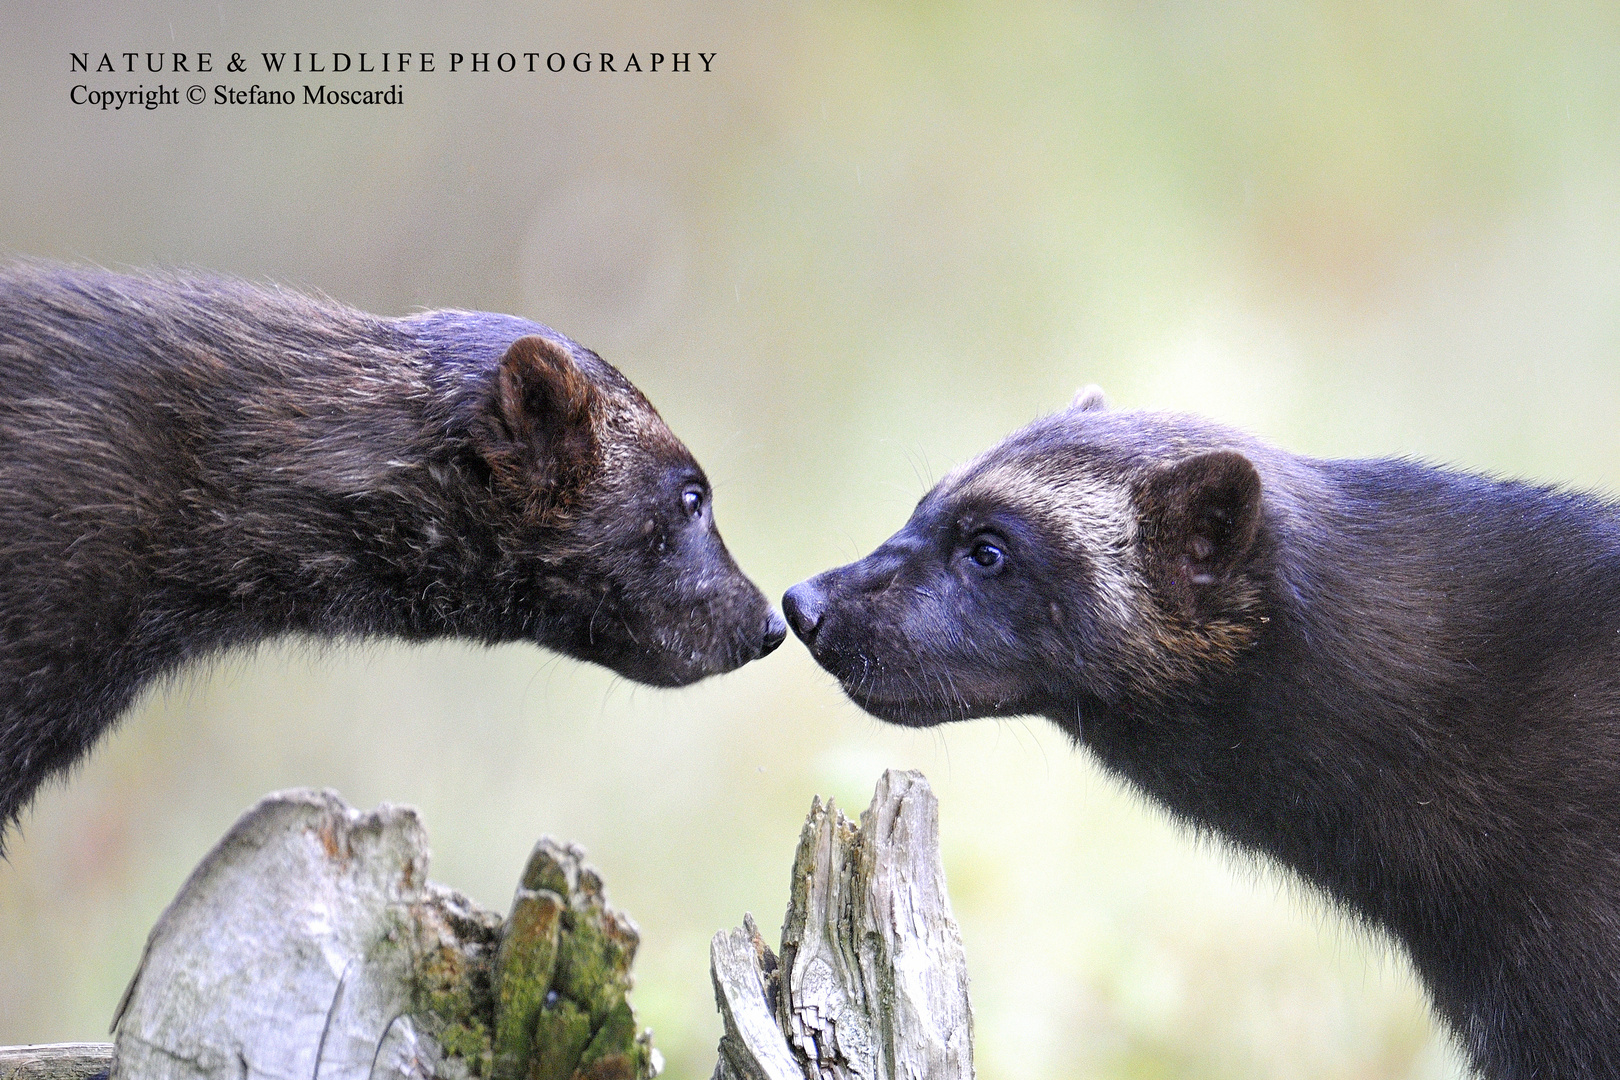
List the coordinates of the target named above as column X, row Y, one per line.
column 55, row 1061
column 872, row 979
column 309, row 945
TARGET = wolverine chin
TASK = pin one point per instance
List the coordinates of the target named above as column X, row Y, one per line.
column 926, row 710
column 906, row 712
column 669, row 668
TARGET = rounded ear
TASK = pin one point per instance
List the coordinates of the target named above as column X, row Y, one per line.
column 1089, row 397
column 536, row 431
column 540, row 388
column 1200, row 524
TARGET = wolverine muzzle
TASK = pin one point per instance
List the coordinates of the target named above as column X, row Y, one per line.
column 803, row 605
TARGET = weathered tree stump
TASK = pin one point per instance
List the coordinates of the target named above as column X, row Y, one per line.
column 309, row 942
column 871, row 983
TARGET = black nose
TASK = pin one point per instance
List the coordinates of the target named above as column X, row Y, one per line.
column 804, row 605
column 775, row 634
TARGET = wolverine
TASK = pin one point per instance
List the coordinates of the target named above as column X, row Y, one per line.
column 190, row 464
column 1401, row 683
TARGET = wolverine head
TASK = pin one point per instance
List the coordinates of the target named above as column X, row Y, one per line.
column 605, row 523
column 1093, row 556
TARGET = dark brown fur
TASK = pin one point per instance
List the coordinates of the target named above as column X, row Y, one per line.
column 190, row 464
column 1399, row 682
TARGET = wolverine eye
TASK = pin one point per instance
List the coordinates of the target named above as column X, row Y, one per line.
column 987, row 554
column 692, row 501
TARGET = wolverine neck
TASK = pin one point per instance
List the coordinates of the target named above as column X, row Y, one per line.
column 1393, row 736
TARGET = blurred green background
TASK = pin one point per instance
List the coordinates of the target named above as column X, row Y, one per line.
column 874, row 240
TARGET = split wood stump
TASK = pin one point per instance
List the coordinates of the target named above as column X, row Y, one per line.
column 310, row 943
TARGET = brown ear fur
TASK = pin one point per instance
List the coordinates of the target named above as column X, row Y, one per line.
column 537, row 432
column 1200, row 520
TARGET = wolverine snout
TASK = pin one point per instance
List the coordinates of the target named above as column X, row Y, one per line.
column 775, row 634
column 804, row 605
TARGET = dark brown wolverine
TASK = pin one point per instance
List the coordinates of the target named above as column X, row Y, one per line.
column 1402, row 683
column 190, row 464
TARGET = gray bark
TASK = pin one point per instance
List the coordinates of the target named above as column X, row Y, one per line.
column 309, row 943
column 55, row 1061
column 285, row 953
column 872, row 980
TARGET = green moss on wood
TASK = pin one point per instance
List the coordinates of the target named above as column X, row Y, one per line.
column 544, row 998
column 523, row 974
